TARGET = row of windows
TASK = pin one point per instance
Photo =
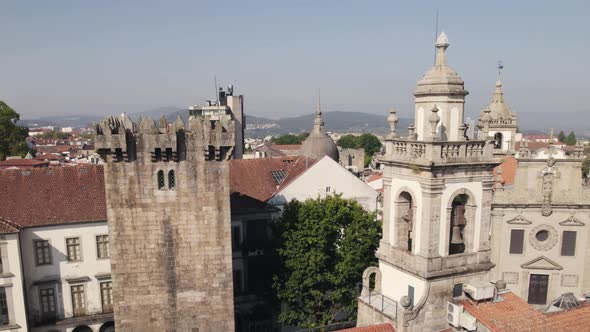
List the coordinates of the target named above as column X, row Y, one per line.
column 568, row 241
column 162, row 180
column 73, row 249
column 47, row 300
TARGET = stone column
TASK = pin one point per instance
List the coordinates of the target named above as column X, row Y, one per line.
column 496, row 243
column 429, row 223
column 388, row 229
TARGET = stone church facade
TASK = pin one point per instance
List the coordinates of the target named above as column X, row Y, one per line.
column 459, row 210
column 168, row 211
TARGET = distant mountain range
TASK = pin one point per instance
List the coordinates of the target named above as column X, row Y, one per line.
column 336, row 121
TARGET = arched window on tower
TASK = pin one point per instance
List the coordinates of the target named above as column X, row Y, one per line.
column 405, row 221
column 161, row 180
column 171, row 180
column 458, row 223
column 498, row 140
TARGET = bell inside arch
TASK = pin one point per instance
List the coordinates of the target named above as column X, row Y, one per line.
column 456, row 237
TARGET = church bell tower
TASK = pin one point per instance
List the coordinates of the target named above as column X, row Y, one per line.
column 437, row 205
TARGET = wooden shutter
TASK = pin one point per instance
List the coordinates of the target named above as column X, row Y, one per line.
column 568, row 243
column 516, row 241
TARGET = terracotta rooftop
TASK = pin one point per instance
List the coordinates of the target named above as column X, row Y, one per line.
column 287, row 146
column 374, row 177
column 254, row 177
column 508, row 167
column 515, row 315
column 54, row 195
column 48, row 156
column 372, row 328
column 6, row 226
column 23, row 163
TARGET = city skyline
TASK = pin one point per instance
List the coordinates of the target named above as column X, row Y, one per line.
column 109, row 57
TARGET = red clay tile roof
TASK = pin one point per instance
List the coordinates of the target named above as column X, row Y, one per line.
column 7, row 227
column 55, row 195
column 515, row 315
column 374, row 177
column 23, row 163
column 253, row 177
column 508, row 166
column 372, row 328
column 48, row 156
column 287, row 146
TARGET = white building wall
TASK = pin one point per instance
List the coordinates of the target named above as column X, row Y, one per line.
column 395, row 290
column 327, row 177
column 11, row 280
column 89, row 268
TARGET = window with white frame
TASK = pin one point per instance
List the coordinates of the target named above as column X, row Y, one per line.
column 102, row 246
column 42, row 252
column 73, row 249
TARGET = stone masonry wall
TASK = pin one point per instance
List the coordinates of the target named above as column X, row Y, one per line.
column 170, row 247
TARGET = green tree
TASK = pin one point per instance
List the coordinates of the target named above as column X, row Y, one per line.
column 53, row 134
column 585, row 167
column 561, row 136
column 325, row 244
column 571, row 139
column 12, row 137
column 289, row 139
column 348, row 142
column 370, row 143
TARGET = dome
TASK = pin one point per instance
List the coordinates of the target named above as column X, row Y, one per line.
column 318, row 144
column 441, row 79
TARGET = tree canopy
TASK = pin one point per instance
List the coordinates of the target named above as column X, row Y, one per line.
column 289, row 139
column 12, row 137
column 54, row 134
column 569, row 139
column 369, row 142
column 586, row 167
column 325, row 244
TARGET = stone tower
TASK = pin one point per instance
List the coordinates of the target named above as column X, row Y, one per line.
column 437, row 205
column 501, row 122
column 167, row 192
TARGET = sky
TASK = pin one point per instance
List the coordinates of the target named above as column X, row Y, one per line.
column 106, row 57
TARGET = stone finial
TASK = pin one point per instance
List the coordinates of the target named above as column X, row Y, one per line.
column 393, row 120
column 433, row 119
column 485, row 120
column 442, row 43
column 411, row 131
column 523, row 149
column 405, row 302
column 579, row 150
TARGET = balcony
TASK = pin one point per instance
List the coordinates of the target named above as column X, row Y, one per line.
column 437, row 152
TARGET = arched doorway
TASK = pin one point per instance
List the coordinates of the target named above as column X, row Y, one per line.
column 82, row 328
column 107, row 327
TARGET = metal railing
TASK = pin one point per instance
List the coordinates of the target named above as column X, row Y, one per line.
column 379, row 301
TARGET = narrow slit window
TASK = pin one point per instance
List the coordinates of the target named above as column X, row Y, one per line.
column 161, row 182
column 171, row 180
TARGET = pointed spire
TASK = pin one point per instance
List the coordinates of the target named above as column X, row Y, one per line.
column 318, row 123
column 442, row 43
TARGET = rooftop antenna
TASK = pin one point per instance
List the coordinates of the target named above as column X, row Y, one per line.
column 215, row 95
column 500, row 67
column 435, row 37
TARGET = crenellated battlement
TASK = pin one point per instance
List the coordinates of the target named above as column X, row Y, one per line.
column 119, row 139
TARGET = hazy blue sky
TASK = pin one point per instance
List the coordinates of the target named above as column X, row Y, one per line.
column 82, row 57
